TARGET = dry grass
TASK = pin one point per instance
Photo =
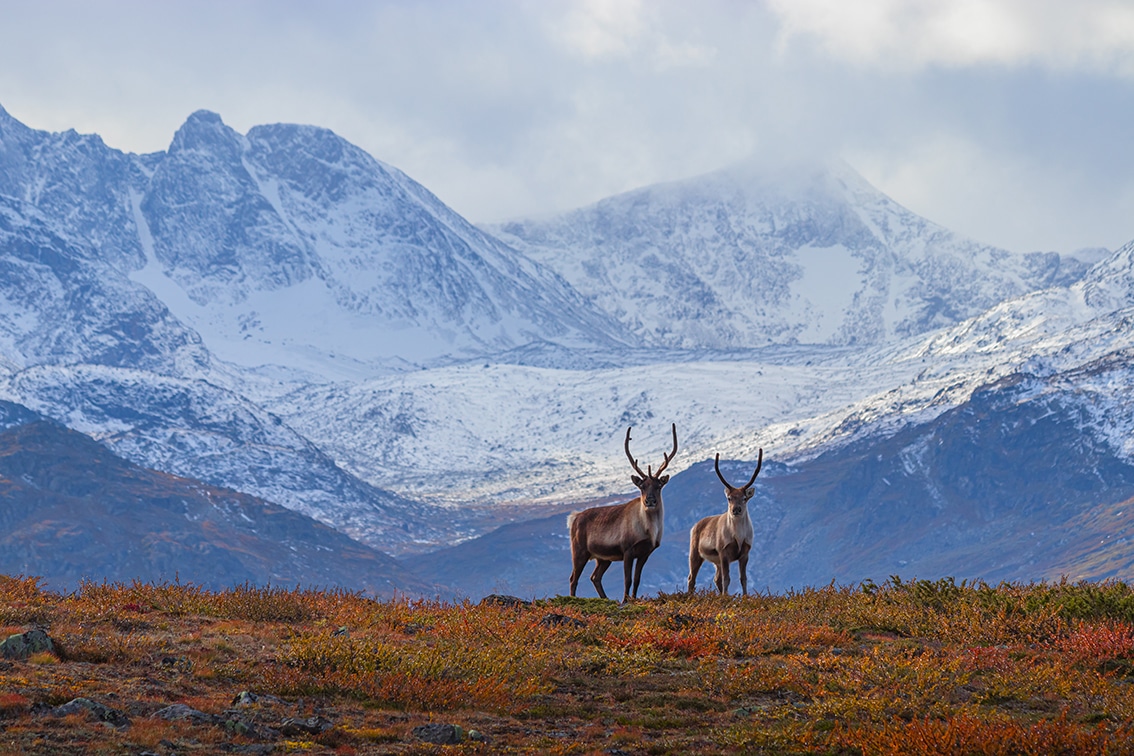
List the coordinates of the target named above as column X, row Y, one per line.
column 900, row 668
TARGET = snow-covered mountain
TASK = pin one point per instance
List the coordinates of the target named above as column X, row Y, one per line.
column 771, row 254
column 513, row 431
column 292, row 247
column 282, row 314
column 288, row 248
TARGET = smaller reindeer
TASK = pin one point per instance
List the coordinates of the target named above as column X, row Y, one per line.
column 626, row 533
column 724, row 538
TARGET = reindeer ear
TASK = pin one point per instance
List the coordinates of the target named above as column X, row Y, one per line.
column 637, row 481
column 663, row 479
column 748, row 492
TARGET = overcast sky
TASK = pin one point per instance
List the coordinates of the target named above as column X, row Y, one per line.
column 1011, row 121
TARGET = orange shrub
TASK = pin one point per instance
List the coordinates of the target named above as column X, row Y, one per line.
column 1094, row 643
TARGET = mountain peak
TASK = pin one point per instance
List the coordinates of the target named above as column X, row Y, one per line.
column 204, row 130
column 204, row 116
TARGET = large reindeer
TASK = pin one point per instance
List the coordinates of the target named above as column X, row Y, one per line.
column 725, row 538
column 621, row 532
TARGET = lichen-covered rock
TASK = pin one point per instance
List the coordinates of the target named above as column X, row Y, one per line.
column 248, row 698
column 182, row 711
column 439, row 734
column 292, row 726
column 23, row 645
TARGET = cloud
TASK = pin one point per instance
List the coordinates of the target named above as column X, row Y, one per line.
column 1095, row 35
column 603, row 28
column 506, row 108
column 596, row 30
column 986, row 194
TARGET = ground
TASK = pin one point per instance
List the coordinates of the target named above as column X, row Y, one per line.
column 902, row 668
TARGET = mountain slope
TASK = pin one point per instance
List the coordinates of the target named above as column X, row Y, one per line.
column 70, row 510
column 759, row 254
column 1010, row 485
column 59, row 304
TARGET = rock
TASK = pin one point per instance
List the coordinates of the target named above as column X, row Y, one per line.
column 439, row 734
column 562, row 620
column 181, row 711
column 94, row 710
column 342, row 632
column 248, row 698
column 478, row 736
column 239, row 726
column 509, row 602
column 23, row 645
column 316, row 725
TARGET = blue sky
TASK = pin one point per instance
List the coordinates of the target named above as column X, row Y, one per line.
column 1006, row 120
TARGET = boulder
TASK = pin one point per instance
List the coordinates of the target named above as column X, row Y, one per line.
column 182, row 711
column 439, row 734
column 23, row 645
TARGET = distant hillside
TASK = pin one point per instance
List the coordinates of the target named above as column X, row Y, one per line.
column 70, row 510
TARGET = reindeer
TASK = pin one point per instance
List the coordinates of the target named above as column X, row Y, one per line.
column 621, row 532
column 724, row 538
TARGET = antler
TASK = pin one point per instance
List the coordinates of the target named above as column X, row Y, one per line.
column 668, row 457
column 630, row 456
column 671, row 455
column 759, row 464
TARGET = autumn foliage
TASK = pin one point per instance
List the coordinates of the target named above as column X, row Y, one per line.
column 921, row 667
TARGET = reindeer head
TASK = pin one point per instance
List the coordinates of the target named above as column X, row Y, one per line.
column 650, row 483
column 738, row 497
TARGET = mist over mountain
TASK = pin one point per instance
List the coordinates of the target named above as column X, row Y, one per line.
column 279, row 314
column 766, row 253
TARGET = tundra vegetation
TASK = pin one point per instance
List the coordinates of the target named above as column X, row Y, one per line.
column 898, row 668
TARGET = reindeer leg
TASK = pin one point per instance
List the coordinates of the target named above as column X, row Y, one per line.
column 695, row 562
column 724, row 576
column 638, row 572
column 717, row 578
column 578, row 564
column 744, row 572
column 627, row 572
column 601, row 566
